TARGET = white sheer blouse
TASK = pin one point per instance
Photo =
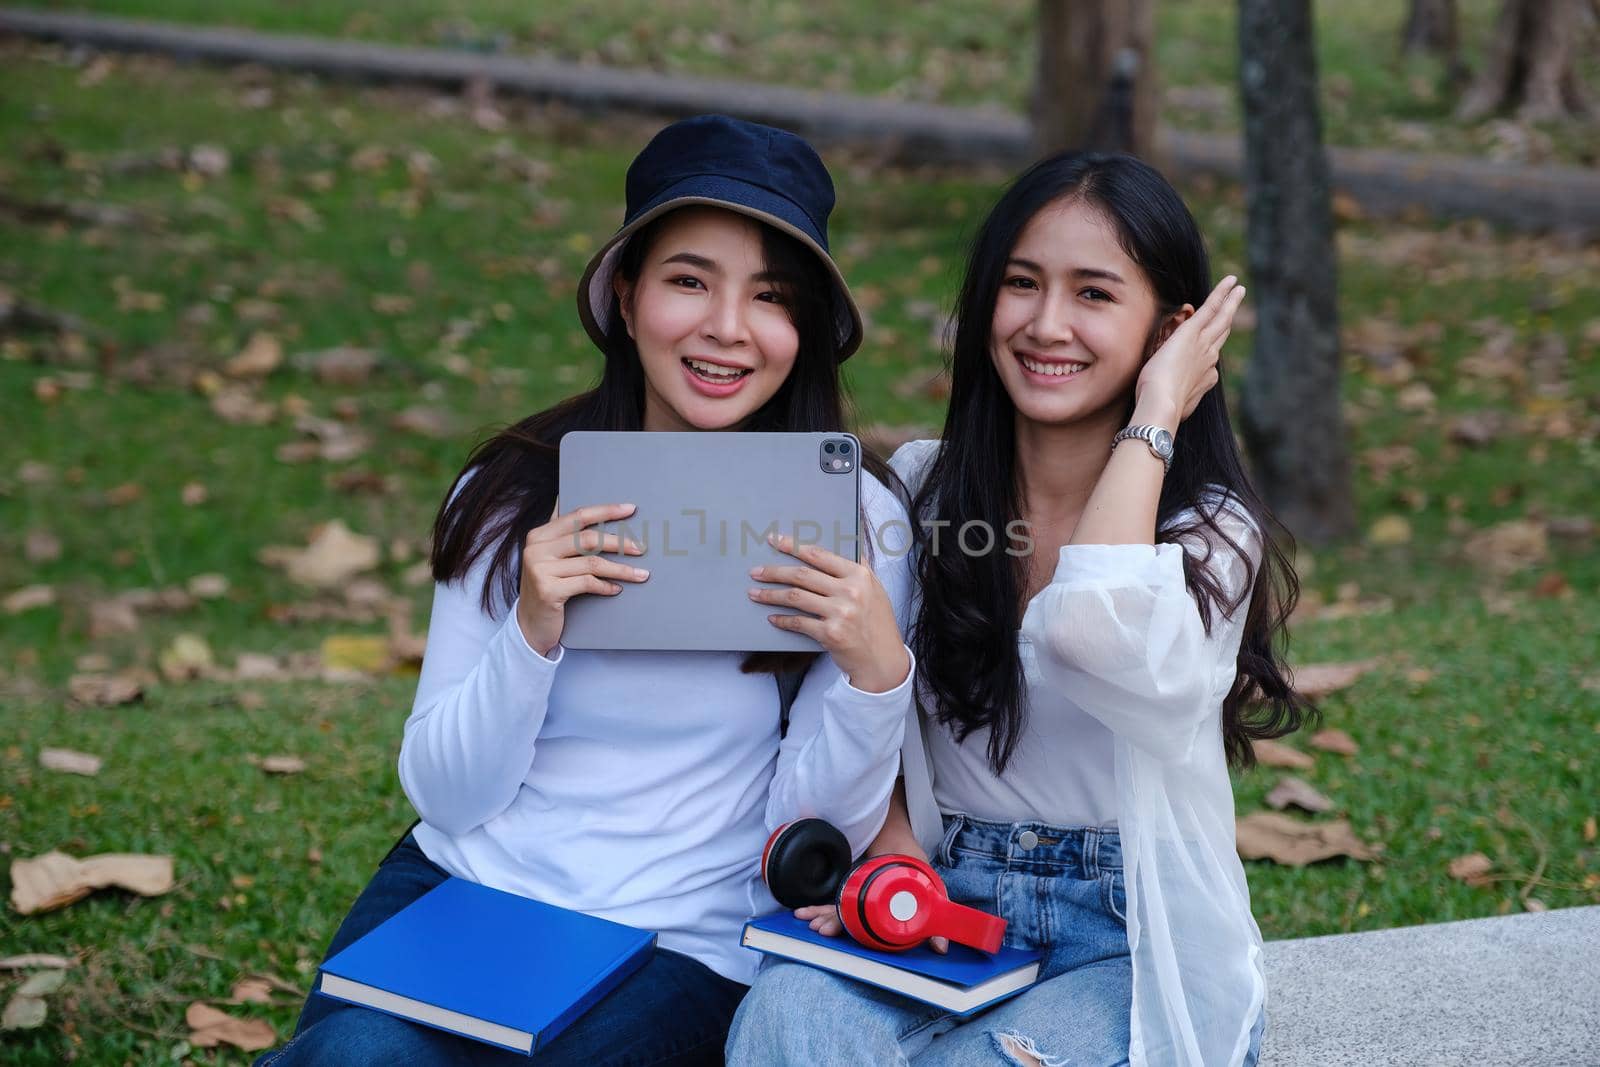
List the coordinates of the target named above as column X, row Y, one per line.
column 1117, row 634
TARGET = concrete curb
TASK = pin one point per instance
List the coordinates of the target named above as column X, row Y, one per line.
column 1382, row 183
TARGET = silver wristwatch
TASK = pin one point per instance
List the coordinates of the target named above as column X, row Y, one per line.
column 1157, row 437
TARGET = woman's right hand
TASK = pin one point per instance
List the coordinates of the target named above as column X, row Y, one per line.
column 560, row 561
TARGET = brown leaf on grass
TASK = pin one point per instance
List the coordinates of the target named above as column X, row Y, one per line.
column 187, row 658
column 251, row 991
column 107, row 617
column 1285, row 840
column 106, row 690
column 1331, row 740
column 124, row 494
column 358, row 653
column 1590, row 829
column 210, row 1027
column 1390, row 530
column 28, row 598
column 344, row 365
column 428, row 422
column 239, row 405
column 30, row 960
column 261, row 355
column 194, row 494
column 1299, row 793
column 1478, row 428
column 277, row 764
column 1317, row 680
column 23, row 1013
column 69, row 761
column 1277, row 754
column 56, row 879
column 335, row 553
column 41, row 546
column 1508, row 547
column 1473, row 868
column 1553, row 586
column 208, row 586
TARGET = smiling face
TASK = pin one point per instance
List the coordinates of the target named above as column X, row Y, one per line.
column 1072, row 318
column 710, row 322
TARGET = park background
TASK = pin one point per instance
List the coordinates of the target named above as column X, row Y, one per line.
column 251, row 321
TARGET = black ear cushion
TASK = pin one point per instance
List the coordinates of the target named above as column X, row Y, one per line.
column 807, row 863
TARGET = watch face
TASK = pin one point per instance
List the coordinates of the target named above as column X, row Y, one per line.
column 1161, row 441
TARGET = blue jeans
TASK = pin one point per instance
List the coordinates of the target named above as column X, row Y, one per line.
column 674, row 1010
column 1064, row 896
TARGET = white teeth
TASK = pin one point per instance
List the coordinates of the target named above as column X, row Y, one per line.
column 1055, row 370
column 712, row 371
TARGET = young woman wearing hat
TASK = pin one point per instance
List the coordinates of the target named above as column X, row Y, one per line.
column 640, row 786
column 1082, row 701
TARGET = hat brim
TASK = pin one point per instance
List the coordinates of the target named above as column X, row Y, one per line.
column 595, row 287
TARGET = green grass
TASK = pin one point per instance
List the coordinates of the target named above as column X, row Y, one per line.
column 938, row 51
column 1495, row 752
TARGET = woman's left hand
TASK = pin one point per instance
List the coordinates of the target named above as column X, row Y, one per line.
column 846, row 610
column 1184, row 368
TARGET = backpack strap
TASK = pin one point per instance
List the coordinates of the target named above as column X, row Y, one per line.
column 788, row 688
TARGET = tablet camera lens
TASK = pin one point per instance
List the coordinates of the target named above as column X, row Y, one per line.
column 828, row 448
column 844, row 448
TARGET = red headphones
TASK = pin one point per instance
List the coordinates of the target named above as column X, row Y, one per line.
column 892, row 902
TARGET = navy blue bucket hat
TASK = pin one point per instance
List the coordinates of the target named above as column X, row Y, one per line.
column 766, row 173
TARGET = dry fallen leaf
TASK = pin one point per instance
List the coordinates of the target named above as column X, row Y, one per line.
column 1390, row 530
column 428, row 422
column 1285, row 840
column 28, row 598
column 186, row 658
column 1317, row 680
column 1473, row 868
column 240, row 405
column 1278, row 754
column 362, row 653
column 1300, row 793
column 210, row 1027
column 106, row 690
column 251, row 991
column 56, row 879
column 259, row 357
column 41, row 546
column 278, row 764
column 1508, row 547
column 334, row 554
column 1331, row 740
column 30, row 960
column 70, row 762
column 208, row 586
column 23, row 1013
column 1590, row 830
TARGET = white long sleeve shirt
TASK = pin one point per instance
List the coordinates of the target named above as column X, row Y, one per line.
column 1116, row 638
column 638, row 786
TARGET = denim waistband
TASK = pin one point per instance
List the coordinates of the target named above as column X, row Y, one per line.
column 1036, row 847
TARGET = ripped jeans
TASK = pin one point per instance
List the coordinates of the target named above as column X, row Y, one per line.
column 1060, row 889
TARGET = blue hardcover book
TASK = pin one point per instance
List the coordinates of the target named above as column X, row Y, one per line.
column 963, row 982
column 487, row 965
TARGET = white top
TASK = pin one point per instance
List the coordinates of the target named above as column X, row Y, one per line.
column 638, row 786
column 1116, row 635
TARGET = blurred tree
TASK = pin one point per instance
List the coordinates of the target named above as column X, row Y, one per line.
column 1096, row 82
column 1290, row 415
column 1431, row 28
column 1531, row 65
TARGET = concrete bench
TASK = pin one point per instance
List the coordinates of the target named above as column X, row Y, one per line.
column 1523, row 989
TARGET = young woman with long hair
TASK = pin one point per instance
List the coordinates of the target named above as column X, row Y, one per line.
column 640, row 786
column 1099, row 635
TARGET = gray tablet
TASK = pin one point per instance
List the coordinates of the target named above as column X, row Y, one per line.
column 705, row 505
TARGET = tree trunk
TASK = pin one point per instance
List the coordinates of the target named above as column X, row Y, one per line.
column 1431, row 28
column 1531, row 67
column 1290, row 415
column 1096, row 83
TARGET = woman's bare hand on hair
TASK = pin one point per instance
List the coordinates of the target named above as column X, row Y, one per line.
column 560, row 560
column 1184, row 368
column 846, row 611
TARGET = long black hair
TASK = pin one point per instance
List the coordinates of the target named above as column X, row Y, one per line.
column 965, row 634
column 513, row 487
